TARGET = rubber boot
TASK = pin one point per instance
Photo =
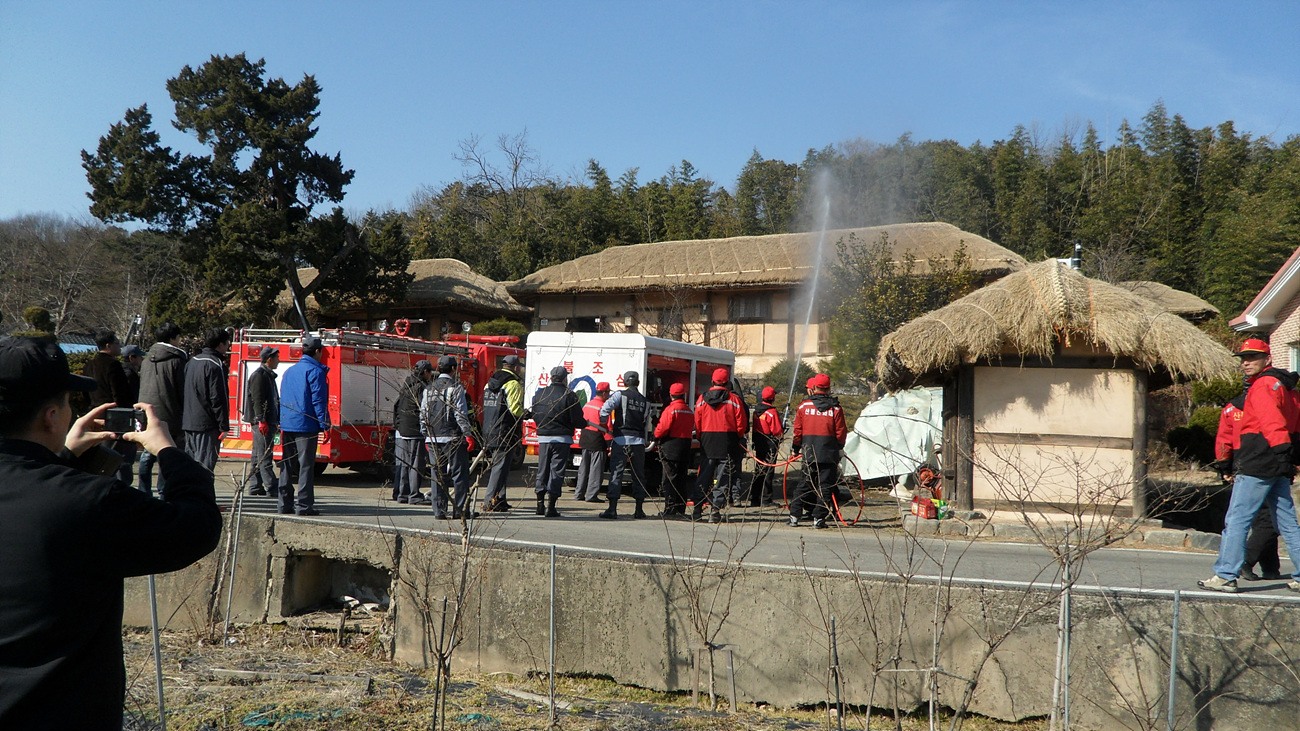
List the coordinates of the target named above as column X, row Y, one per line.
column 541, row 503
column 551, row 512
column 611, row 512
column 640, row 510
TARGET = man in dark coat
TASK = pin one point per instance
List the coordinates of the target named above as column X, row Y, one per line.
column 69, row 538
column 557, row 413
column 449, row 434
column 503, row 413
column 630, row 411
column 207, row 407
column 410, row 457
column 162, row 385
column 107, row 372
column 262, row 411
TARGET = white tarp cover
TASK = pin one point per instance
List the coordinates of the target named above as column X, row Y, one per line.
column 896, row 434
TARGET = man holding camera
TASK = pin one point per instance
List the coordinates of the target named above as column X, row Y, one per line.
column 70, row 537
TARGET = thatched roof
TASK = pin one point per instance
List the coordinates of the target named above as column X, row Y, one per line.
column 753, row 261
column 1028, row 313
column 450, row 283
column 1183, row 304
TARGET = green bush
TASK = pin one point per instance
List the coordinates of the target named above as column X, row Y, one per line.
column 500, row 326
column 1215, row 393
column 778, row 376
column 1195, row 442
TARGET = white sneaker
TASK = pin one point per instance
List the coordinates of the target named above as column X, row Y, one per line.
column 1218, row 583
column 1293, row 585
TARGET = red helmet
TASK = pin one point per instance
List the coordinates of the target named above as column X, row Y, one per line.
column 602, row 386
column 769, row 393
column 821, row 380
column 721, row 375
column 677, row 389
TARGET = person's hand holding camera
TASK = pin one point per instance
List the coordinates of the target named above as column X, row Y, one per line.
column 88, row 431
column 155, row 437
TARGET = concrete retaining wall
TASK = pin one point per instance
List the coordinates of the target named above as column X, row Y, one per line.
column 632, row 619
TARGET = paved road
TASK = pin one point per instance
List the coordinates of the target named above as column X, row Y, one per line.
column 346, row 497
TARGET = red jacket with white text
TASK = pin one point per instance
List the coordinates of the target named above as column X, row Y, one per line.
column 819, row 425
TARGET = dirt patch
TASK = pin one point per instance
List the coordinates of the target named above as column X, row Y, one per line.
column 301, row 677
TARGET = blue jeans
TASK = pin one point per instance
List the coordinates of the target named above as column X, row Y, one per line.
column 1248, row 494
column 147, row 461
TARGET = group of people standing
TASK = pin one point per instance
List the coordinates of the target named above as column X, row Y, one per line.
column 190, row 394
column 435, row 435
column 617, row 425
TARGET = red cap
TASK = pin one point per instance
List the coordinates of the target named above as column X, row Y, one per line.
column 1253, row 346
column 809, row 384
column 602, row 386
column 677, row 389
column 769, row 393
column 721, row 375
column 821, row 380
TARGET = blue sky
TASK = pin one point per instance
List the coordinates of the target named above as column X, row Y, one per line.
column 636, row 84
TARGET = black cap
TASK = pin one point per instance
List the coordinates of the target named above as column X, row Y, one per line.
column 559, row 374
column 132, row 351
column 269, row 353
column 35, row 369
column 510, row 360
column 311, row 342
column 446, row 363
column 423, row 366
column 632, row 378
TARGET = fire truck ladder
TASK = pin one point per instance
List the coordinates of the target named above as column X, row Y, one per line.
column 355, row 338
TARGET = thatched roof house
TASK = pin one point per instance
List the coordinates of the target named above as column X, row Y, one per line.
column 443, row 293
column 747, row 294
column 448, row 283
column 1045, row 375
column 1032, row 313
column 1184, row 304
column 753, row 261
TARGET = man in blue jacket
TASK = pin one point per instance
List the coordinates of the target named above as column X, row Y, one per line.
column 304, row 414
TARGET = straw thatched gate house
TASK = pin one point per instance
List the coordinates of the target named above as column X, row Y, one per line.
column 744, row 293
column 443, row 294
column 1045, row 377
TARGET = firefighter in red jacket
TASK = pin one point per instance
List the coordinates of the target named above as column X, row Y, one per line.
column 819, row 433
column 721, row 421
column 1264, row 465
column 594, row 439
column 768, row 431
column 1261, row 546
column 673, row 432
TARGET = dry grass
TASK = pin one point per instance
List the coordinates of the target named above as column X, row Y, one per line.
column 1031, row 312
column 753, row 261
column 202, row 696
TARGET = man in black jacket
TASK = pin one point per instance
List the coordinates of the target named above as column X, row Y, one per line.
column 107, row 372
column 207, row 408
column 68, row 539
column 410, row 458
column 262, row 411
column 557, row 412
column 162, row 385
column 503, row 412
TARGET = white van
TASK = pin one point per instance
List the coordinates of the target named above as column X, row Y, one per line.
column 591, row 358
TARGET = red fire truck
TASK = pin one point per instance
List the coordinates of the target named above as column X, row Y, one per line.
column 365, row 371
